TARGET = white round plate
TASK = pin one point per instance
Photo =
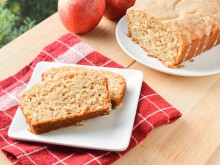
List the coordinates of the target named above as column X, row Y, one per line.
column 207, row 63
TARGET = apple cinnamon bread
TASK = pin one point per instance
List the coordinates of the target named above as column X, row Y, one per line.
column 64, row 101
column 116, row 82
column 174, row 31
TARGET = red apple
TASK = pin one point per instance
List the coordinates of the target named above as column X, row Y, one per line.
column 115, row 9
column 81, row 16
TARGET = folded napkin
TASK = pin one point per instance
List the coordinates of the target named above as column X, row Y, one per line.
column 152, row 110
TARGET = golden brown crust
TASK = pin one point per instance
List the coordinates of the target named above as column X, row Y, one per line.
column 65, row 122
column 213, row 38
column 218, row 41
column 183, row 51
column 196, row 47
column 116, row 102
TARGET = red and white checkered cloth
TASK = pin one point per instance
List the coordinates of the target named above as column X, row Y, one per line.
column 152, row 110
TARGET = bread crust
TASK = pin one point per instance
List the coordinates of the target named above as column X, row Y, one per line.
column 117, row 101
column 43, row 127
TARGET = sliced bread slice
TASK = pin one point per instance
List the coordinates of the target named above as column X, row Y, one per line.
column 116, row 82
column 64, row 101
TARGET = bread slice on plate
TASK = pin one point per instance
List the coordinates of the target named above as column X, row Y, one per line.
column 116, row 82
column 64, row 101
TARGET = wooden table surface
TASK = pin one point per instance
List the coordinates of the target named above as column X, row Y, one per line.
column 193, row 139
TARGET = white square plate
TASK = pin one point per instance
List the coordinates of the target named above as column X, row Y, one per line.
column 109, row 132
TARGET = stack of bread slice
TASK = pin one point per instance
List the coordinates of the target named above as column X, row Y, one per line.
column 68, row 95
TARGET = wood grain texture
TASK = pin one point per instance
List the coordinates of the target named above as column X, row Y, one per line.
column 193, row 139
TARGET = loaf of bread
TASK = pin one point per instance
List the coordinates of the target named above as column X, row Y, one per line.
column 116, row 82
column 174, row 31
column 64, row 101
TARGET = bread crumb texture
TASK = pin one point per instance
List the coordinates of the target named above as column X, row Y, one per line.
column 65, row 100
column 116, row 82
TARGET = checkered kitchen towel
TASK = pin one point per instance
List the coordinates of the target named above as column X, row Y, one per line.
column 152, row 111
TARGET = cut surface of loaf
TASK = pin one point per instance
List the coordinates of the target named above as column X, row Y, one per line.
column 116, row 82
column 174, row 31
column 64, row 101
